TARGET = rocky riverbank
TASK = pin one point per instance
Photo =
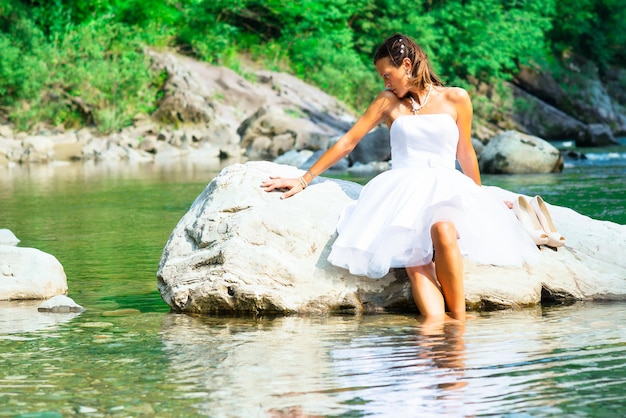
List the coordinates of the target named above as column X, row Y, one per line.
column 213, row 114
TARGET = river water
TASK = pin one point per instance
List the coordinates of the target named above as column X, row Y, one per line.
column 126, row 355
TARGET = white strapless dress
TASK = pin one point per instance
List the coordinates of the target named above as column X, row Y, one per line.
column 389, row 225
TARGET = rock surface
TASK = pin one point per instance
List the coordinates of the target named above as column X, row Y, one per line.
column 28, row 273
column 60, row 304
column 7, row 237
column 240, row 249
column 513, row 152
column 576, row 97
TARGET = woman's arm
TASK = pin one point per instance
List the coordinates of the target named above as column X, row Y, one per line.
column 465, row 153
column 375, row 113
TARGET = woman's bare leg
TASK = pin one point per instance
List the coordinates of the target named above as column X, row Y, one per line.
column 426, row 293
column 449, row 267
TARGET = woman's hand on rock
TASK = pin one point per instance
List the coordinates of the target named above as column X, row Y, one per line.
column 292, row 185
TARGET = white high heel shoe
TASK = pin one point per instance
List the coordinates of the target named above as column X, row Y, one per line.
column 526, row 215
column 555, row 239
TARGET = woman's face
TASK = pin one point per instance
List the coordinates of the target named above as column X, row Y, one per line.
column 394, row 77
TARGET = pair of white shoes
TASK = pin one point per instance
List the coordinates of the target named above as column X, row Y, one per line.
column 537, row 221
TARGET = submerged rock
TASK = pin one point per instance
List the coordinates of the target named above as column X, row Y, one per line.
column 240, row 249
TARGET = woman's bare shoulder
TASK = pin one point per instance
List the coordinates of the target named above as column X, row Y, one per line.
column 387, row 96
column 456, row 94
column 384, row 104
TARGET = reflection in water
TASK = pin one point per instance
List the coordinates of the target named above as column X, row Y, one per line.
column 303, row 367
column 443, row 343
column 535, row 362
column 18, row 317
column 255, row 367
column 47, row 176
column 416, row 370
column 393, row 365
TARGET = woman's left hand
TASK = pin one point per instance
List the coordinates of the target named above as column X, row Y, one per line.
column 292, row 185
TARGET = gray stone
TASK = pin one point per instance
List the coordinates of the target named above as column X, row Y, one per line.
column 149, row 144
column 28, row 273
column 369, row 169
column 11, row 151
column 513, row 152
column 373, row 147
column 60, row 304
column 6, row 131
column 67, row 147
column 568, row 107
column 598, row 135
column 183, row 101
column 240, row 249
column 281, row 132
column 223, row 136
column 37, row 149
column 341, row 165
column 294, row 158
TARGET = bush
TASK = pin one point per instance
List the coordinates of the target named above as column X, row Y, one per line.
column 80, row 62
column 95, row 74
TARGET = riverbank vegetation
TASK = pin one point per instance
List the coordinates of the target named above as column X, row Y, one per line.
column 82, row 63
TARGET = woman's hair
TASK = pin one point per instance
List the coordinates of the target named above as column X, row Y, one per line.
column 397, row 48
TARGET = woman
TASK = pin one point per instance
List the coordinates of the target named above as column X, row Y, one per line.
column 423, row 214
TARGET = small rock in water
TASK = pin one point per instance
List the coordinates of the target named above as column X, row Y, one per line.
column 86, row 410
column 60, row 304
column 575, row 155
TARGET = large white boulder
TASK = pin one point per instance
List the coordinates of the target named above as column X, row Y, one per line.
column 28, row 273
column 240, row 249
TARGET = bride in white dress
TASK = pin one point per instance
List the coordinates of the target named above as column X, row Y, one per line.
column 423, row 214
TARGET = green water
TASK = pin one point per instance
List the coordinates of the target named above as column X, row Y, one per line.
column 107, row 225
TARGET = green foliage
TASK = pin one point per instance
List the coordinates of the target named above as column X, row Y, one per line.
column 114, row 65
column 492, row 101
column 482, row 39
column 334, row 66
column 95, row 74
column 591, row 28
column 377, row 20
column 22, row 74
column 81, row 62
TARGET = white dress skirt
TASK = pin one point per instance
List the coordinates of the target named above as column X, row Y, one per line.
column 389, row 225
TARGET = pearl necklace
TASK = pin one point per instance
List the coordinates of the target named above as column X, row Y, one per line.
column 415, row 107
